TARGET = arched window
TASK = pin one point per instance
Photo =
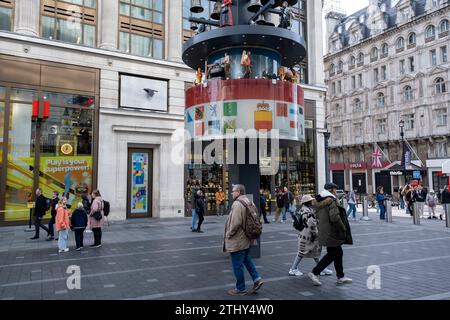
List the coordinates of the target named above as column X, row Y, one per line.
column 400, row 44
column 340, row 66
column 407, row 92
column 439, row 85
column 430, row 32
column 381, row 100
column 352, row 61
column 332, row 68
column 412, row 39
column 444, row 26
column 361, row 58
column 357, row 105
column 384, row 48
column 374, row 53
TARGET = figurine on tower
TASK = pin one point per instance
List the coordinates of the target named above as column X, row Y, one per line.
column 226, row 16
column 286, row 16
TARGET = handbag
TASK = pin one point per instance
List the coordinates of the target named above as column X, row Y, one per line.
column 98, row 215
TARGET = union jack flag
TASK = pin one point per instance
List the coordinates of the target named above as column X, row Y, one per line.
column 376, row 159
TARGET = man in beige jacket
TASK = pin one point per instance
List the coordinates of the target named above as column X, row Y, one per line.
column 238, row 245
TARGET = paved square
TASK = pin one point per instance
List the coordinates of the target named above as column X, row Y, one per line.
column 163, row 259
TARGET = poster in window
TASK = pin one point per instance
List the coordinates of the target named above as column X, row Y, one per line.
column 139, row 182
column 143, row 93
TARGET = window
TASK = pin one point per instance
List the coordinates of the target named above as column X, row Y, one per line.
column 409, row 122
column 402, row 66
column 375, row 75
column 352, row 62
column 444, row 54
column 333, row 88
column 361, row 58
column 430, row 32
column 340, row 66
column 74, row 22
column 6, row 15
column 441, row 117
column 353, row 82
column 407, row 94
column 142, row 27
column 433, row 58
column 412, row 39
column 411, row 64
column 357, row 107
column 440, row 87
column 338, row 109
column 339, row 86
column 441, row 149
column 360, row 81
column 357, row 130
column 383, row 73
column 384, row 49
column 374, row 54
column 381, row 100
column 400, row 44
column 405, row 14
column 332, row 69
column 444, row 26
column 338, row 133
column 381, row 126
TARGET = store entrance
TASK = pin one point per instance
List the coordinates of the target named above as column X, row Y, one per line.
column 139, row 186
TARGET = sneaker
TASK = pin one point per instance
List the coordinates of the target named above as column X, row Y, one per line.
column 296, row 273
column 34, row 238
column 344, row 280
column 273, row 220
column 88, row 231
column 50, row 239
column 235, row 292
column 98, row 246
column 78, row 249
column 429, row 218
column 56, row 239
column 440, row 216
column 257, row 285
column 93, row 246
column 326, row 272
column 66, row 250
column 315, row 279
column 59, row 251
column 434, row 217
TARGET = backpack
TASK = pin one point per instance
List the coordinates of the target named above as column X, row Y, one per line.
column 252, row 227
column 105, row 208
column 298, row 222
column 48, row 204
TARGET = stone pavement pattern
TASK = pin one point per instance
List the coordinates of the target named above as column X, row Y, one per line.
column 162, row 259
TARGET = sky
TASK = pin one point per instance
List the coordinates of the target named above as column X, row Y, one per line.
column 351, row 6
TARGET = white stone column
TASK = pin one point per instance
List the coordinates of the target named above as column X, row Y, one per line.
column 315, row 42
column 108, row 24
column 27, row 17
column 174, row 29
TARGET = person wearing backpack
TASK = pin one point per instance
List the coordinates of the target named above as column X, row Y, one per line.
column 96, row 218
column 280, row 205
column 200, row 210
column 237, row 241
column 334, row 231
column 78, row 222
column 306, row 223
column 432, row 201
column 41, row 207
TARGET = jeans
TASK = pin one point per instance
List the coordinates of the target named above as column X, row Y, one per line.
column 285, row 211
column 239, row 260
column 220, row 209
column 51, row 223
column 402, row 203
column 194, row 219
column 63, row 239
column 200, row 220
column 97, row 236
column 382, row 211
column 38, row 224
column 334, row 254
column 79, row 237
column 351, row 209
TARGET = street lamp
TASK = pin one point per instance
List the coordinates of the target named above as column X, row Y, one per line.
column 402, row 134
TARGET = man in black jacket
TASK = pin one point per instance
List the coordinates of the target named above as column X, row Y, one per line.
column 445, row 199
column 39, row 212
column 288, row 198
column 420, row 195
column 51, row 223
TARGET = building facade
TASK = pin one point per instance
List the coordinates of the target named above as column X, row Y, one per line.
column 385, row 64
column 91, row 93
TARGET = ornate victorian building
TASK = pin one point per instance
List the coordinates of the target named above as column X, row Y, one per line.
column 388, row 63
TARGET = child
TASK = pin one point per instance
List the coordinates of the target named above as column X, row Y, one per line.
column 62, row 225
column 79, row 222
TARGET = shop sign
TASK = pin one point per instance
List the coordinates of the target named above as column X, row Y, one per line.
column 417, row 175
column 66, row 149
column 358, row 165
column 396, row 173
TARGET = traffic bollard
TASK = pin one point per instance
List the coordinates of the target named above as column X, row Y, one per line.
column 416, row 217
column 389, row 211
column 365, row 205
column 447, row 215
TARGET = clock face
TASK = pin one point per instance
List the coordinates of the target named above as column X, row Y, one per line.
column 66, row 149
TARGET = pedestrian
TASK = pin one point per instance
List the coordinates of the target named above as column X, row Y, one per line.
column 51, row 223
column 78, row 222
column 420, row 196
column 308, row 237
column 288, row 199
column 262, row 205
column 195, row 189
column 401, row 201
column 432, row 201
column 409, row 199
column 381, row 198
column 62, row 223
column 334, row 231
column 96, row 218
column 238, row 244
column 352, row 204
column 220, row 201
column 39, row 212
column 445, row 200
column 200, row 210
column 280, row 205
